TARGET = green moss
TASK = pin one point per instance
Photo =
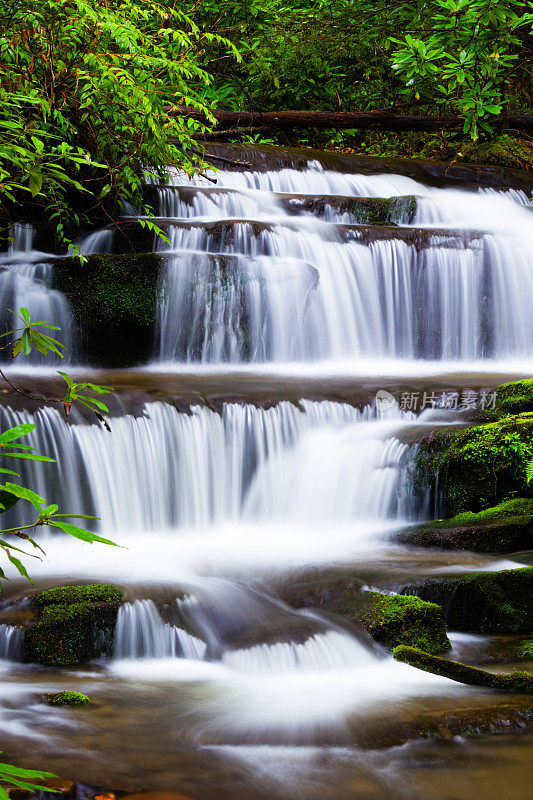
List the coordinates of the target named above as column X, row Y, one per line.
column 93, row 593
column 514, row 509
column 516, row 397
column 76, row 624
column 398, row 619
column 519, row 682
column 483, row 602
column 479, row 465
column 111, row 288
column 66, row 699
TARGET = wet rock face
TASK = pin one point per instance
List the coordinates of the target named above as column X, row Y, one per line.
column 389, row 619
column 114, row 299
column 483, row 602
column 73, row 624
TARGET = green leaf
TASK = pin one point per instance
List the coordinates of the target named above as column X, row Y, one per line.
column 26, row 343
column 19, row 566
column 25, row 314
column 80, row 533
column 16, row 433
column 23, row 493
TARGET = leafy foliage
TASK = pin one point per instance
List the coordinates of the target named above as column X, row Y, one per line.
column 11, row 447
column 466, row 57
column 22, row 779
column 85, row 87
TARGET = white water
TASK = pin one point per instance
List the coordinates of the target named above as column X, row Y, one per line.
column 321, row 462
column 10, row 642
column 141, row 633
column 25, row 281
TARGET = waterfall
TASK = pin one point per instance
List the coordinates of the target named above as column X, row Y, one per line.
column 141, row 633
column 332, row 650
column 10, row 643
column 25, row 281
column 263, row 286
column 319, row 461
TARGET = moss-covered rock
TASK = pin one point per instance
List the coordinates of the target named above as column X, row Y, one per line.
column 503, row 150
column 114, row 299
column 391, row 619
column 483, row 602
column 65, row 699
column 515, row 397
column 74, row 625
column 91, row 593
column 479, row 465
column 518, row 681
column 505, row 528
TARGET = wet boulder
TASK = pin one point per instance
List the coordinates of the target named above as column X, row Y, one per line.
column 391, row 619
column 483, row 602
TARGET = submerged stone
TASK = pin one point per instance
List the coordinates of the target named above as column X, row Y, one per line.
column 483, row 602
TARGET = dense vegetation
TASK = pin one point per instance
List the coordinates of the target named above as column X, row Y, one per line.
column 86, row 85
column 84, row 90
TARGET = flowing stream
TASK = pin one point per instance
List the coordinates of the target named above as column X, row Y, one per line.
column 218, row 687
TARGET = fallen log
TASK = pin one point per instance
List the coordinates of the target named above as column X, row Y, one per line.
column 386, row 120
column 518, row 681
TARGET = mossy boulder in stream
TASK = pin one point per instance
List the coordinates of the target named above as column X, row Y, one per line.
column 391, row 619
column 483, row 602
column 479, row 465
column 505, row 528
column 73, row 625
column 65, row 698
column 114, row 299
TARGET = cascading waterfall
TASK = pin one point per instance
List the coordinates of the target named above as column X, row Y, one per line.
column 279, row 289
column 218, row 510
column 165, row 469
